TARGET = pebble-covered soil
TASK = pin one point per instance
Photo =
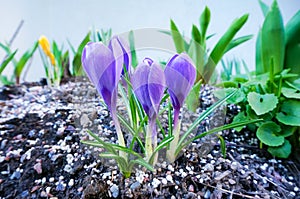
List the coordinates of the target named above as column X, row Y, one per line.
column 41, row 155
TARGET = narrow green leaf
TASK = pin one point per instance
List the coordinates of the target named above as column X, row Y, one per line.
column 217, row 129
column 177, row 37
column 23, row 60
column 143, row 163
column 219, row 49
column 132, row 49
column 223, row 145
column 264, row 7
column 203, row 116
column 237, row 41
column 6, row 61
column 204, row 22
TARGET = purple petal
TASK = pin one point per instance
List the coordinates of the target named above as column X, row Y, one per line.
column 121, row 51
column 148, row 83
column 180, row 76
column 99, row 64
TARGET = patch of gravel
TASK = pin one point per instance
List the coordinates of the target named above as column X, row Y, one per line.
column 41, row 155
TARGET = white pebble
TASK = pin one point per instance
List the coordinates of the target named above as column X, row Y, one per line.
column 71, row 183
column 170, row 168
column 164, row 181
column 169, row 178
column 51, row 179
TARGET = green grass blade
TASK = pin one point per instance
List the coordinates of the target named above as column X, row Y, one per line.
column 237, row 41
column 143, row 163
column 6, row 61
column 23, row 60
column 206, row 113
column 217, row 129
column 134, row 59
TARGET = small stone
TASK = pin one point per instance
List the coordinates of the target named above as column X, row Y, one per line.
column 231, row 181
column 71, row 183
column 155, row 182
column 296, row 189
column 170, row 168
column 234, row 166
column 114, row 191
column 38, row 168
column 191, row 188
column 208, row 167
column 169, row 178
column 222, row 175
column 135, row 185
column 207, row 194
column 164, row 181
column 24, row 194
column 51, row 179
column 16, row 175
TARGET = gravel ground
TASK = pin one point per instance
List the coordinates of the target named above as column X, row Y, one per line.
column 41, row 155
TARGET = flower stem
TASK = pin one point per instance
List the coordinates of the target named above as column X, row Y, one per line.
column 176, row 132
column 119, row 134
column 151, row 137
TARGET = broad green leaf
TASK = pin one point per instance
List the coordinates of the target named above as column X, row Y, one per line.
column 292, row 42
column 177, row 37
column 262, row 104
column 273, row 33
column 282, row 151
column 219, row 49
column 6, row 61
column 268, row 133
column 290, row 93
column 239, row 118
column 289, row 113
column 237, row 98
column 192, row 100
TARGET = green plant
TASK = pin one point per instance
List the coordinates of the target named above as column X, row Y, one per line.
column 143, row 93
column 205, row 61
column 18, row 65
column 273, row 93
column 284, row 51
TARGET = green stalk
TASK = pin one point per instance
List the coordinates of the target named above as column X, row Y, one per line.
column 119, row 134
column 148, row 141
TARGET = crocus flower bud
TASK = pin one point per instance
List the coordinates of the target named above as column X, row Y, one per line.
column 45, row 45
column 148, row 83
column 180, row 76
column 124, row 56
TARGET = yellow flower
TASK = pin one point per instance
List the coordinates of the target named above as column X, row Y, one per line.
column 45, row 45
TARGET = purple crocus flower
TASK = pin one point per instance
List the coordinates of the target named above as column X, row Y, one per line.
column 180, row 76
column 125, row 54
column 103, row 65
column 148, row 83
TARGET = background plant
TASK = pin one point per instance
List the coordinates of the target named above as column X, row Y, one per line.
column 18, row 64
column 273, row 93
column 196, row 48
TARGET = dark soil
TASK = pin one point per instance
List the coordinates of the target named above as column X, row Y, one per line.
column 41, row 155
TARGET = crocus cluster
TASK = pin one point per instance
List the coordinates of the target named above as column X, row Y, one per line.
column 105, row 66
